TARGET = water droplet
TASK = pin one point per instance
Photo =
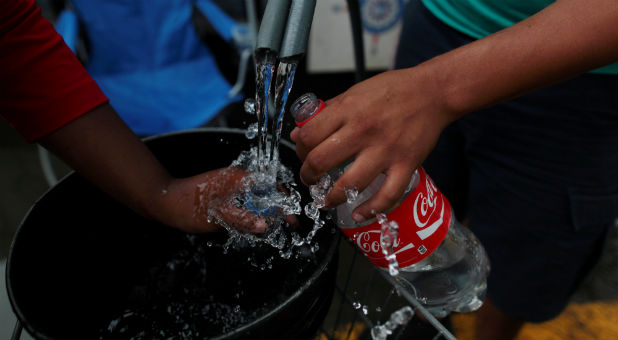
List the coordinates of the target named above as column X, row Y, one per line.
column 351, row 194
column 325, row 182
column 365, row 309
column 249, row 106
column 356, row 305
column 398, row 318
column 312, row 211
column 403, row 315
column 388, row 238
column 320, row 190
column 113, row 325
column 252, row 131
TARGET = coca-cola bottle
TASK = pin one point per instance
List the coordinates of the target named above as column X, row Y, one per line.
column 440, row 262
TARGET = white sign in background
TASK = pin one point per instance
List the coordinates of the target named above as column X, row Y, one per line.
column 330, row 41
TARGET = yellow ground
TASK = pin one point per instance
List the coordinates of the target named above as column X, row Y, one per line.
column 587, row 321
column 580, row 321
column 343, row 331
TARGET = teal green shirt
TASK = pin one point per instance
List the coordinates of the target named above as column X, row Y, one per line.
column 479, row 18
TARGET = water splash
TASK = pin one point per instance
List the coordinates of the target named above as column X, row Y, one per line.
column 320, row 190
column 388, row 237
column 243, row 204
column 318, row 193
column 278, row 200
column 398, row 318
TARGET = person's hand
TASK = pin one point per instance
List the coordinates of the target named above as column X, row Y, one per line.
column 197, row 204
column 388, row 124
column 203, row 203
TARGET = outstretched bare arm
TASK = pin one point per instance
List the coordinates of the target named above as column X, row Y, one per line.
column 390, row 123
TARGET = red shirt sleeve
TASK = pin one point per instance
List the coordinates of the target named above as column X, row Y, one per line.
column 43, row 86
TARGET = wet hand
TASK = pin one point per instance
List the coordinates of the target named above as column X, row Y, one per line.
column 204, row 202
column 214, row 202
column 387, row 124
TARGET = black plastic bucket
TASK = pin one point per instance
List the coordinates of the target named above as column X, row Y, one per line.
column 80, row 260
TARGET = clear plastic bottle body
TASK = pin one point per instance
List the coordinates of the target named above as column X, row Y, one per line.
column 457, row 282
column 452, row 278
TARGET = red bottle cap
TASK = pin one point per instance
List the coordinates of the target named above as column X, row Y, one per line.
column 322, row 105
column 304, row 108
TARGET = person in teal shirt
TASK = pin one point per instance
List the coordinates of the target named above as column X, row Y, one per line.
column 511, row 105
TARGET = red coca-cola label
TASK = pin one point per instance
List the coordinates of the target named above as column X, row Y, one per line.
column 423, row 217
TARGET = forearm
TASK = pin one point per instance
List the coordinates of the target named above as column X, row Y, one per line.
column 390, row 122
column 105, row 151
column 565, row 39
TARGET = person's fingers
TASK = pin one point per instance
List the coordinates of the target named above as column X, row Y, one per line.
column 357, row 177
column 396, row 182
column 294, row 134
column 315, row 131
column 341, row 146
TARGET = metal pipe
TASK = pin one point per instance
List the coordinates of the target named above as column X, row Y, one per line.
column 297, row 28
column 273, row 22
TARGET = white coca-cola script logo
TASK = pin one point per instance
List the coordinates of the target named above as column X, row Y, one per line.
column 424, row 208
column 371, row 243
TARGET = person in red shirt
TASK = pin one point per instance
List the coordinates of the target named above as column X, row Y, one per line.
column 48, row 97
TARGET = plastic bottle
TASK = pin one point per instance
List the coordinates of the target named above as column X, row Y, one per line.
column 441, row 262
